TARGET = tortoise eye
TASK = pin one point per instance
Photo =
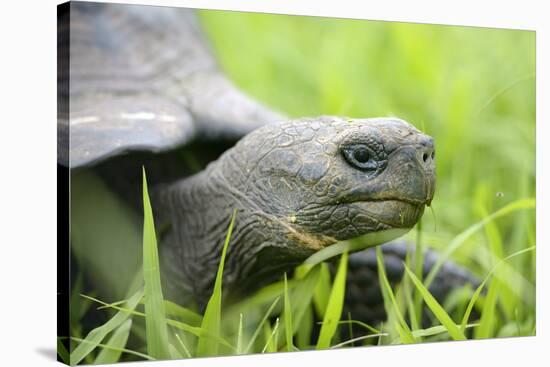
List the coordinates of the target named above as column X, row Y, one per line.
column 361, row 156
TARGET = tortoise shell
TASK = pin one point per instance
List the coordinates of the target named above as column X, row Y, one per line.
column 142, row 78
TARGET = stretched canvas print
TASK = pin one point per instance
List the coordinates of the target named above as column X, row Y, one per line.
column 235, row 183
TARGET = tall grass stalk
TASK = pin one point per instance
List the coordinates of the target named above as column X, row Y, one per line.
column 212, row 315
column 155, row 314
column 335, row 304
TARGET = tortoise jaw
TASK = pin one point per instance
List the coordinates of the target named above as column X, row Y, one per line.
column 393, row 213
column 345, row 220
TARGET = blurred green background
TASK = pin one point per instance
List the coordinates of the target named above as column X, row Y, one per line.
column 472, row 89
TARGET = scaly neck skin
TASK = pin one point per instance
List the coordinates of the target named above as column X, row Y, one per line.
column 199, row 209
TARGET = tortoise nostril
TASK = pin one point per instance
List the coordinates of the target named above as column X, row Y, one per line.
column 425, row 150
column 427, row 154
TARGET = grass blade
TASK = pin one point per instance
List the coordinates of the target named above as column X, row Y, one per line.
column 321, row 295
column 362, row 324
column 197, row 331
column 185, row 314
column 359, row 338
column 360, row 243
column 271, row 337
column 122, row 350
column 117, row 340
column 96, row 336
column 240, row 335
column 300, row 297
column 482, row 285
column 184, row 347
column 288, row 319
column 487, row 320
column 155, row 315
column 62, row 352
column 260, row 325
column 301, row 300
column 334, row 306
column 418, row 269
column 350, row 329
column 261, row 298
column 462, row 237
column 390, row 303
column 411, row 308
column 513, row 277
column 174, row 352
column 454, row 331
column 212, row 315
column 172, row 309
column 435, row 330
column 304, row 329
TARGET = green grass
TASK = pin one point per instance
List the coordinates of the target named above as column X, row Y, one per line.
column 393, row 309
column 308, row 292
column 334, row 307
column 96, row 336
column 472, row 89
column 117, row 341
column 439, row 312
column 288, row 319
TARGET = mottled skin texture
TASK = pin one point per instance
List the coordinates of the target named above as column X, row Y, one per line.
column 298, row 186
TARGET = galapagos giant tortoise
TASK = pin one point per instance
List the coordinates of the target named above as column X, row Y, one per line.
column 145, row 89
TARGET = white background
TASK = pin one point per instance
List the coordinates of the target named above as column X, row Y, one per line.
column 28, row 182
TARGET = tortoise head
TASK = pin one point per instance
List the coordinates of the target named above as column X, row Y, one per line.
column 328, row 179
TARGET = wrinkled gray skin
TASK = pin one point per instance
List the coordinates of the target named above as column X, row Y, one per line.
column 298, row 186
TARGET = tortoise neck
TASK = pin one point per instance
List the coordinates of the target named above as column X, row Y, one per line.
column 199, row 209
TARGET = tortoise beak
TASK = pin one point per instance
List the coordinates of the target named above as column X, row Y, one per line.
column 412, row 173
column 426, row 158
column 430, row 189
